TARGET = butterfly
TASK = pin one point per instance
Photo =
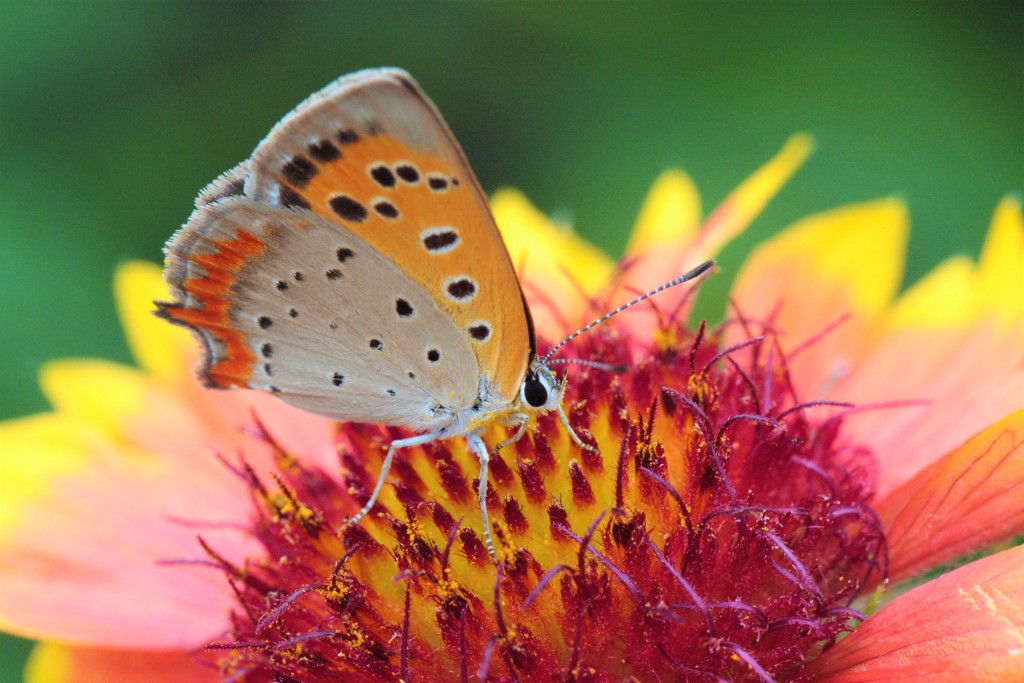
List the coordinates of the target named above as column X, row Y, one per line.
column 351, row 267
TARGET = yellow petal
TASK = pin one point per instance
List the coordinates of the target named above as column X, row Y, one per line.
column 160, row 348
column 734, row 214
column 543, row 247
column 670, row 214
column 859, row 248
column 558, row 270
column 946, row 297
column 98, row 392
column 48, row 663
column 841, row 265
column 1001, row 267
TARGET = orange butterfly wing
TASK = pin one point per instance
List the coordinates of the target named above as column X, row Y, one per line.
column 372, row 153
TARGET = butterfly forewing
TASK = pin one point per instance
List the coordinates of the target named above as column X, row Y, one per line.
column 293, row 304
column 371, row 154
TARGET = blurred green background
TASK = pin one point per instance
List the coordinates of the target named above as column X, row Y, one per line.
column 113, row 115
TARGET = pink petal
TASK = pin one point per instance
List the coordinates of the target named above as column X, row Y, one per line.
column 81, row 556
column 960, row 380
column 83, row 559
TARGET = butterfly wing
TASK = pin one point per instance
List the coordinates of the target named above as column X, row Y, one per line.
column 371, row 153
column 290, row 303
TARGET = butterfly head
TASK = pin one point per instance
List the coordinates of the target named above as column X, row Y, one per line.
column 541, row 390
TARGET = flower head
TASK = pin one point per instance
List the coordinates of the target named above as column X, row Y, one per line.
column 718, row 531
column 752, row 484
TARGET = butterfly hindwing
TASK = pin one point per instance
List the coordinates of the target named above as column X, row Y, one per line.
column 371, row 153
column 288, row 302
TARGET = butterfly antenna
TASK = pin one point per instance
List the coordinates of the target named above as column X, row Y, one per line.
column 610, row 367
column 695, row 273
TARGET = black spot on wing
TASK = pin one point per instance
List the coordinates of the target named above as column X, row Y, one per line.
column 289, row 197
column 408, row 173
column 344, row 254
column 348, row 208
column 403, row 308
column 461, row 289
column 480, row 331
column 324, row 151
column 383, row 176
column 440, row 240
column 386, row 209
column 299, row 171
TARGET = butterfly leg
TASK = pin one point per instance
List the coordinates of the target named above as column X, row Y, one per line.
column 572, row 433
column 479, row 448
column 417, row 440
column 524, row 421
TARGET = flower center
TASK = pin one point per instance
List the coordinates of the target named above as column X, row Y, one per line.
column 721, row 531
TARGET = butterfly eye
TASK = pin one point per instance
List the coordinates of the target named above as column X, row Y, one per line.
column 535, row 393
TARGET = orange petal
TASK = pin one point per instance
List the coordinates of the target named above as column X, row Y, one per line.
column 971, row 498
column 842, row 265
column 53, row 663
column 967, row 625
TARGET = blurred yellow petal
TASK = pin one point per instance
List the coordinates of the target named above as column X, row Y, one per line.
column 34, row 451
column 956, row 292
column 856, row 251
column 669, row 216
column 946, row 297
column 861, row 246
column 1001, row 267
column 539, row 244
column 101, row 393
column 553, row 262
column 743, row 205
column 159, row 348
column 48, row 663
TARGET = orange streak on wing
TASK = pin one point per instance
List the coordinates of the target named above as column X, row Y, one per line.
column 214, row 291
